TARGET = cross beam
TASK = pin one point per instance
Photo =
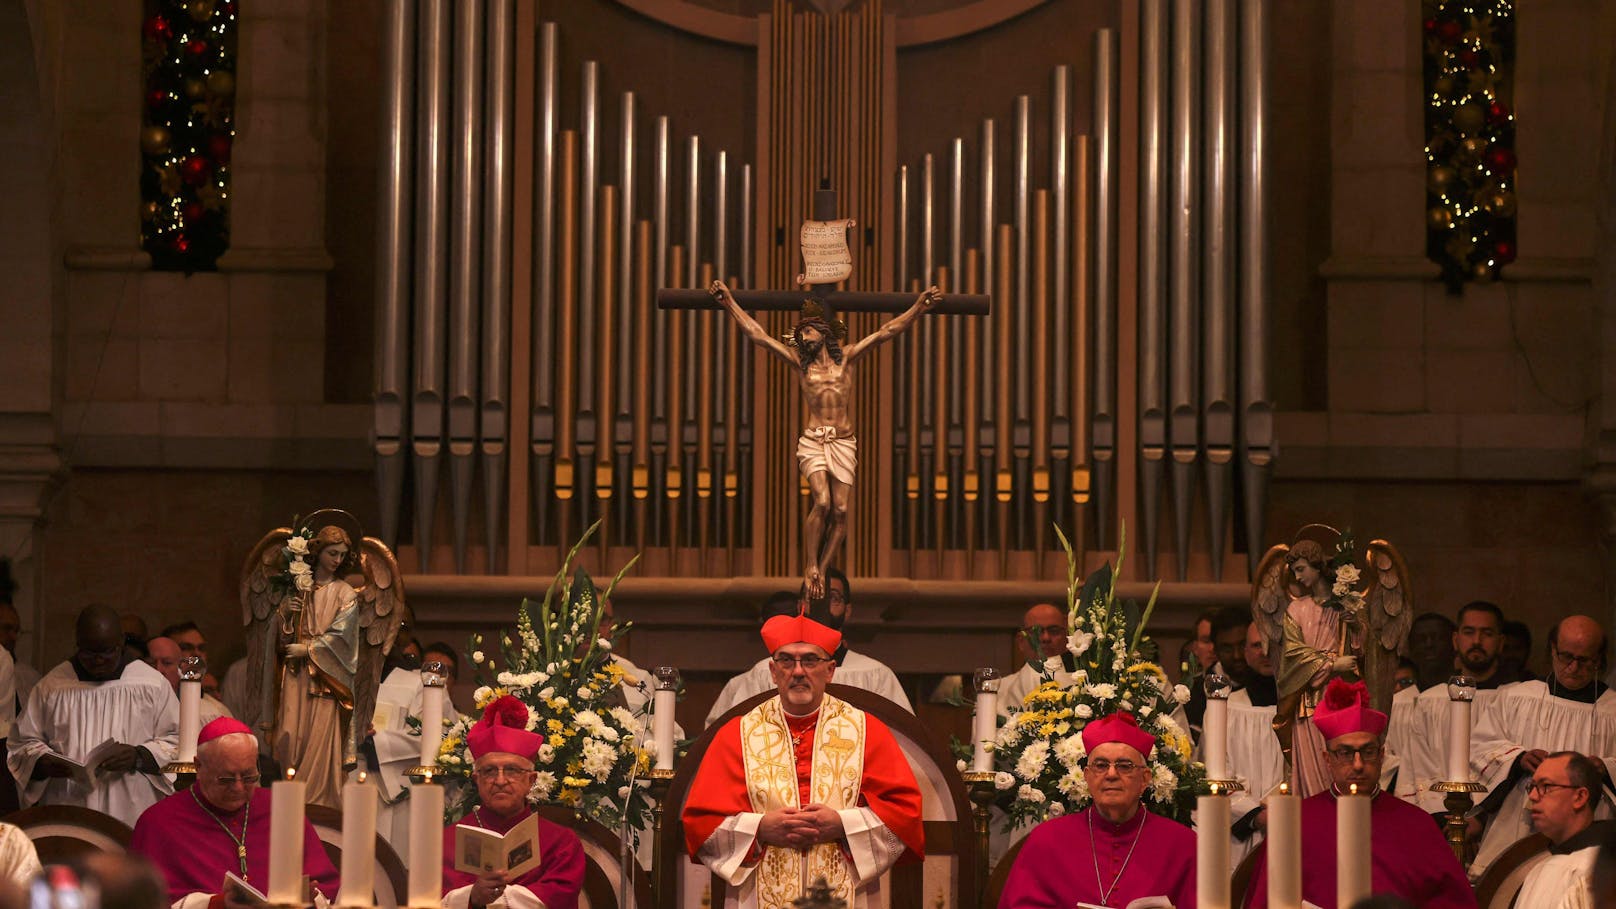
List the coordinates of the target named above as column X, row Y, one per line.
column 842, row 301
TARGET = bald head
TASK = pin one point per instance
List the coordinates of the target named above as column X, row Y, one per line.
column 1577, row 651
column 1045, row 624
column 164, row 656
column 100, row 643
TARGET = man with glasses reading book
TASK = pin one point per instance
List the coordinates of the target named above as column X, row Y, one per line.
column 545, row 873
column 1570, row 710
column 803, row 786
column 220, row 826
column 1409, row 857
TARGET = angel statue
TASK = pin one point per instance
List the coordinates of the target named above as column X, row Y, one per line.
column 1307, row 600
column 323, row 604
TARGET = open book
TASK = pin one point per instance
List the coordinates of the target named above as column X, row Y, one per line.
column 252, row 896
column 85, row 771
column 1144, row 902
column 515, row 852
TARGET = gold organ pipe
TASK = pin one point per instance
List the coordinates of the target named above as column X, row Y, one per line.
column 971, row 480
column 566, row 319
column 1002, row 380
column 676, row 380
column 1040, row 349
column 939, row 395
column 1082, row 303
column 643, row 262
column 605, row 341
column 704, row 391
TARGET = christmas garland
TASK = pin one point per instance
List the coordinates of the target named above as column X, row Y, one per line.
column 189, row 64
column 1469, row 137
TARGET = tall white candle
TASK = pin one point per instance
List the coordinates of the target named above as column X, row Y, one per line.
column 1352, row 870
column 431, row 725
column 358, row 843
column 985, row 726
column 190, row 719
column 1458, row 742
column 1284, row 850
column 1215, row 738
column 426, row 845
column 286, row 841
column 663, row 705
column 1212, row 851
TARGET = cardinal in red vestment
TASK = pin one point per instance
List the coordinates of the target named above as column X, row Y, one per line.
column 502, row 753
column 219, row 825
column 803, row 786
column 1408, row 855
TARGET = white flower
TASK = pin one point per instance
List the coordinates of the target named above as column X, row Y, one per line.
column 1080, row 677
column 1070, row 750
column 1032, row 761
column 1079, row 643
column 546, row 753
column 1163, row 783
column 1029, row 794
column 505, row 678
column 546, row 694
column 961, row 765
column 598, row 758
column 1056, row 809
column 298, row 567
column 1346, row 575
column 1082, row 711
column 477, row 656
column 298, row 545
column 532, row 720
column 304, row 582
column 1125, row 705
column 1053, row 665
column 1105, row 691
column 1146, row 711
column 589, row 721
column 481, row 693
column 604, row 644
column 1073, row 785
column 1002, row 780
column 1181, row 694
column 544, row 783
column 586, row 693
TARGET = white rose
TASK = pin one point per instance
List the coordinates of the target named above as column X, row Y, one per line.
column 298, row 545
column 304, row 582
column 1002, row 780
column 1146, row 711
column 546, row 694
column 476, row 656
column 1056, row 809
column 1346, row 574
column 1181, row 694
column 481, row 693
column 1082, row 711
column 1105, row 691
column 1029, row 794
column 586, row 692
column 298, row 567
column 961, row 766
column 603, row 644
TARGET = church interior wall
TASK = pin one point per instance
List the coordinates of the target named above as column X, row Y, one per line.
column 195, row 413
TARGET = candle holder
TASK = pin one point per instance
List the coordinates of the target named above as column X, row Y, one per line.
column 656, row 786
column 423, row 774
column 979, row 784
column 191, row 670
column 1458, row 802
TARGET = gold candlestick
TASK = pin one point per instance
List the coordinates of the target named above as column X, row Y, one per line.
column 980, row 783
column 656, row 786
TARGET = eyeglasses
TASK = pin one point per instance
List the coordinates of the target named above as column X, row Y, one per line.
column 1034, row 631
column 1345, row 755
column 1543, row 788
column 1581, row 662
column 495, row 773
column 807, row 661
column 1101, row 765
column 246, row 779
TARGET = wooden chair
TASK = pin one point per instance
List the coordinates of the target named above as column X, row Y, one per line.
column 392, row 880
column 1243, row 873
column 1498, row 888
column 602, row 862
column 950, row 864
column 62, row 833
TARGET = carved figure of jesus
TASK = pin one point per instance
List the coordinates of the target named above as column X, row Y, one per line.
column 827, row 450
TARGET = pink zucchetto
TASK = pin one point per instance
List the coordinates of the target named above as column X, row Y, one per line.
column 503, row 727
column 1345, row 709
column 1117, row 727
column 221, row 727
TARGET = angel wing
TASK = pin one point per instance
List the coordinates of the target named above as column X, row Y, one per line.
column 1270, row 597
column 1389, row 611
column 381, row 613
column 259, row 604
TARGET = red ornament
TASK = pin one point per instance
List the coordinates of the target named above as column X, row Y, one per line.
column 192, row 211
column 1499, row 160
column 195, row 169
column 1450, row 31
column 156, row 98
column 1503, row 251
column 181, row 244
column 196, row 47
column 219, row 148
column 1498, row 112
column 1468, row 58
column 1430, row 26
column 157, row 28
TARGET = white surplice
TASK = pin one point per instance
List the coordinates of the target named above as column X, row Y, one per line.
column 70, row 717
column 1560, row 882
column 857, row 671
column 1013, row 691
column 1427, row 758
column 1256, row 761
column 1399, row 735
column 1522, row 717
column 8, row 693
column 19, row 862
column 397, row 750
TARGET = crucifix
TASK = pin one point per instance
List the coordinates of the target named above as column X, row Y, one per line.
column 827, row 448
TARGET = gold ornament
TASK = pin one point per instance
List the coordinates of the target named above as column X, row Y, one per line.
column 1438, row 217
column 1469, row 118
column 148, row 211
column 194, row 87
column 1439, row 178
column 1474, row 146
column 1443, row 85
column 221, row 83
column 1499, row 202
column 1459, row 245
column 200, row 10
column 1481, row 271
column 154, row 140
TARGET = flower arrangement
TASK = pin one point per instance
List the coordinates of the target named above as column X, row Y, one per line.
column 296, row 575
column 559, row 666
column 1344, row 590
column 1039, row 754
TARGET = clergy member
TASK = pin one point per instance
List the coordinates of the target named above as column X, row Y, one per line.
column 502, row 753
column 1042, row 638
column 221, row 824
column 1565, row 790
column 97, row 698
column 802, row 785
column 1254, row 755
column 1409, row 857
column 1114, row 851
column 395, row 748
column 852, row 668
column 1569, row 711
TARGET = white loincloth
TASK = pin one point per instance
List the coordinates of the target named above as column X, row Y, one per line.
column 820, row 448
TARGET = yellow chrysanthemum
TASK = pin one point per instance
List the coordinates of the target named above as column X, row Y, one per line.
column 554, row 726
